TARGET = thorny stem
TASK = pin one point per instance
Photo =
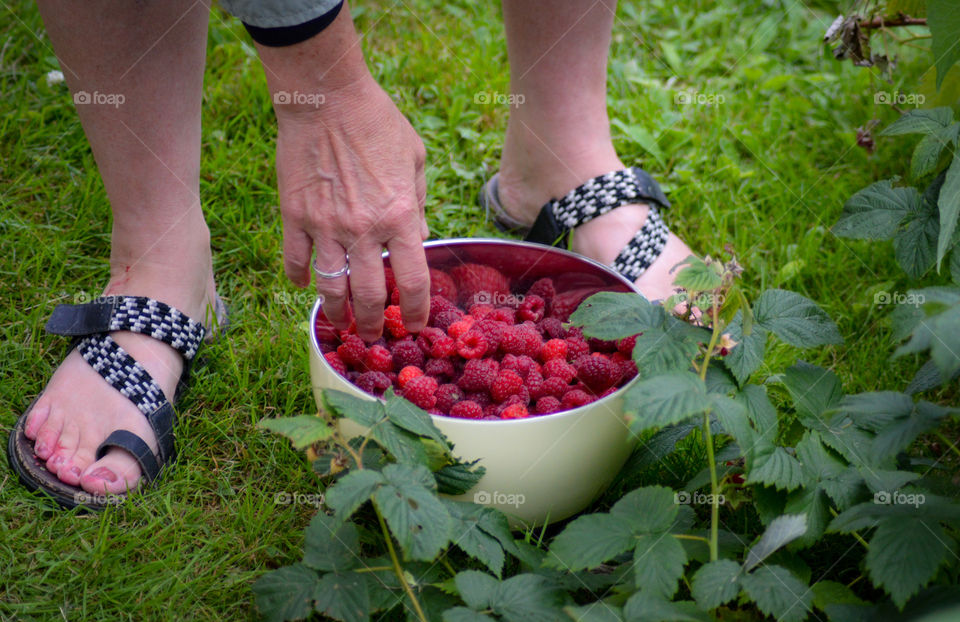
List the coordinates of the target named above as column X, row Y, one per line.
column 708, row 440
column 396, row 565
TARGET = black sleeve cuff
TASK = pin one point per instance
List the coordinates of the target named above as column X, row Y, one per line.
column 289, row 35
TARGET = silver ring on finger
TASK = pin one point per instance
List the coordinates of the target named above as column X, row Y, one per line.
column 345, row 270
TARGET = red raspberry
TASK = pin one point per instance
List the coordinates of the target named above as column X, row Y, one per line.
column 559, row 369
column 547, row 405
column 625, row 365
column 554, row 349
column 447, row 396
column 625, row 346
column 543, row 288
column 532, row 308
column 336, row 363
column 373, row 382
column 597, row 372
column 575, row 399
column 601, row 345
column 522, row 364
column 521, row 340
column 393, row 321
column 422, row 391
column 515, row 411
column 503, row 314
column 461, row 326
column 576, row 348
column 352, row 351
column 563, row 304
column 478, row 283
column 609, row 391
column 552, row 328
column 481, row 397
column 472, row 345
column 493, row 330
column 479, row 311
column 441, row 369
column 478, row 374
column 434, row 342
column 407, row 374
column 441, row 284
column 555, row 387
column 467, row 409
column 395, row 296
column 447, row 318
column 378, row 358
column 492, row 411
column 438, row 304
column 405, row 353
column 507, row 383
column 534, row 383
column 324, row 329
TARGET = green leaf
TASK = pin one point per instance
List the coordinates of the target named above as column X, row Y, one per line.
column 815, row 506
column 286, row 593
column 814, row 390
column 832, row 475
column 775, row 467
column 330, row 545
column 915, row 243
column 874, row 410
column 920, row 121
column 462, row 614
column 944, row 22
column 949, row 200
column 716, row 583
column 699, row 276
column 795, row 319
column 827, row 593
column 644, row 607
column 589, row 541
column 665, row 399
column 897, row 436
column 955, row 264
column 477, row 589
column 926, row 155
column 747, row 355
column 528, row 598
column 902, row 558
column 467, row 534
column 597, row 611
column 343, row 597
column 875, row 212
column 778, row 593
column 303, row 430
column 365, row 412
column 417, row 518
column 610, row 315
column 658, row 351
column 759, row 409
column 411, row 418
column 458, row 479
column 780, row 532
column 658, row 563
column 351, row 491
column 649, row 510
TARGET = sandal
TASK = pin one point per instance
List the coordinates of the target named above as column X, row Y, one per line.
column 586, row 202
column 91, row 324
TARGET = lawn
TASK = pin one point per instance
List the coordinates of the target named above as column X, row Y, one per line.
column 766, row 168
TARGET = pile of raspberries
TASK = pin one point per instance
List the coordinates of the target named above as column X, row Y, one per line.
column 487, row 352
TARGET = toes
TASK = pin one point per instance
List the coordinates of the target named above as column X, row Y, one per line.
column 71, row 470
column 115, row 473
column 36, row 418
column 48, row 434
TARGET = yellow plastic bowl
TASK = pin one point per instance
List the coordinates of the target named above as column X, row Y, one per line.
column 538, row 469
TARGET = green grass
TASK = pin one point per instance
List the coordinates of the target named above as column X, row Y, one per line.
column 766, row 171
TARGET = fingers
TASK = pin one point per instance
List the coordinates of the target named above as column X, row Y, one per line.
column 334, row 292
column 297, row 250
column 409, row 265
column 420, row 182
column 367, row 288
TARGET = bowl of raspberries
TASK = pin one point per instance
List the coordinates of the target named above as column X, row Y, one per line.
column 502, row 372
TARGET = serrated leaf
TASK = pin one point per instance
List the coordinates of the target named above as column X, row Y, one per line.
column 462, row 614
column 458, row 479
column 778, row 593
column 875, row 212
column 874, row 410
column 898, row 435
column 780, row 532
column 944, row 22
column 351, row 491
column 732, row 416
column 926, row 155
column 775, row 467
column 477, row 589
column 814, row 504
column 589, row 541
column 648, row 510
column 417, row 519
column 343, row 597
column 949, row 201
column 468, row 535
column 598, row 611
column 286, row 593
column 658, row 562
column 644, row 607
column 365, row 412
column 955, row 264
column 610, row 315
column 827, row 593
column 411, row 418
column 716, row 583
column 920, row 121
column 759, row 410
column 665, row 399
column 795, row 319
column 903, row 558
column 528, row 598
column 747, row 355
column 330, row 545
column 915, row 243
column 814, row 390
column 697, row 275
column 657, row 352
column 303, row 430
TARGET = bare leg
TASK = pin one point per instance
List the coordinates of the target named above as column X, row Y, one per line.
column 560, row 136
column 141, row 66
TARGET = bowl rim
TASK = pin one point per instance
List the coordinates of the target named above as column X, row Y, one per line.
column 315, row 344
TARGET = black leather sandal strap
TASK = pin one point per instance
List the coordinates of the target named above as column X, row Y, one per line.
column 592, row 199
column 644, row 248
column 136, row 447
column 137, row 314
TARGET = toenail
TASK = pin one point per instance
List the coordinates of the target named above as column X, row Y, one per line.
column 41, row 448
column 56, row 462
column 75, row 471
column 105, row 473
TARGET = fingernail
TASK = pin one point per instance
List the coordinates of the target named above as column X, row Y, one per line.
column 105, row 473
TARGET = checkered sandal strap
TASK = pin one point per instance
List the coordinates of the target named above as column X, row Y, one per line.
column 135, row 383
column 137, row 314
column 599, row 196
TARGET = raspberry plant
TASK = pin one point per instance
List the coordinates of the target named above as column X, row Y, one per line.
column 783, row 487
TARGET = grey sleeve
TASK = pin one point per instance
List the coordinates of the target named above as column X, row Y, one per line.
column 277, row 13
